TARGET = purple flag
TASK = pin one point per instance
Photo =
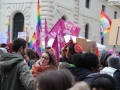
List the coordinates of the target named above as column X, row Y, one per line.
column 67, row 27
column 56, row 49
column 61, row 38
column 46, row 33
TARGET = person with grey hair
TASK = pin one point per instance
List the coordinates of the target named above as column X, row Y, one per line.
column 113, row 69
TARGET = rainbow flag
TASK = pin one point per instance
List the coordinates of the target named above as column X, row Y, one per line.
column 105, row 24
column 32, row 41
column 26, row 30
column 39, row 47
column 8, row 41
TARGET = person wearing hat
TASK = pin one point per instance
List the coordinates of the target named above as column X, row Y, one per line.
column 103, row 58
column 113, row 69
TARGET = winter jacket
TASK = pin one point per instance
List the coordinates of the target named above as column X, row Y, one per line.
column 114, row 73
column 14, row 73
column 116, row 77
column 88, row 79
column 103, row 55
column 79, row 73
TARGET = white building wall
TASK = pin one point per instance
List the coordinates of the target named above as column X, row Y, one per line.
column 74, row 10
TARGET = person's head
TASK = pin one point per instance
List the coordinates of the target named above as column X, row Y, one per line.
column 63, row 53
column 77, row 60
column 114, row 61
column 6, row 47
column 80, row 86
column 54, row 80
column 103, row 58
column 48, row 58
column 19, row 45
column 71, row 49
column 91, row 62
column 50, row 49
column 31, row 54
column 103, row 82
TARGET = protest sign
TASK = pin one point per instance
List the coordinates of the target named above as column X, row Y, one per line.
column 22, row 35
column 3, row 38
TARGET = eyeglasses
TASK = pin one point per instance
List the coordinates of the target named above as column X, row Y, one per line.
column 46, row 58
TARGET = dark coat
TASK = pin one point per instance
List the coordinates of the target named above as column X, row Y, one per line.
column 79, row 73
column 116, row 77
column 14, row 73
column 88, row 79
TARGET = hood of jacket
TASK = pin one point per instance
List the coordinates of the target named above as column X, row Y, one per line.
column 7, row 60
column 108, row 70
column 80, row 73
column 103, row 55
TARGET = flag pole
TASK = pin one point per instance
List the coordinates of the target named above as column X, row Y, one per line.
column 114, row 47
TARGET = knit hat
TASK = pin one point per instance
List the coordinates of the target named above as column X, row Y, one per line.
column 114, row 61
column 3, row 50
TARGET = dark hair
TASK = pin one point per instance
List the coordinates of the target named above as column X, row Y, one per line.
column 31, row 54
column 3, row 45
column 77, row 60
column 55, row 80
column 71, row 48
column 53, row 62
column 17, row 43
column 90, row 60
column 47, row 47
column 103, row 81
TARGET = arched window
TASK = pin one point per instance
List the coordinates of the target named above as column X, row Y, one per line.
column 86, row 31
column 18, row 24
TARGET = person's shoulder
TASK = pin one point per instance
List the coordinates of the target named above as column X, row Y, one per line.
column 21, row 63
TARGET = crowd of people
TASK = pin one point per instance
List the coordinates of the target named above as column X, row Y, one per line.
column 21, row 68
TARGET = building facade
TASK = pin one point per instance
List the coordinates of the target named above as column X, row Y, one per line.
column 85, row 13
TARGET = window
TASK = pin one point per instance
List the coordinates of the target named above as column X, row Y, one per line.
column 87, row 4
column 103, row 9
column 18, row 24
column 86, row 31
column 115, row 15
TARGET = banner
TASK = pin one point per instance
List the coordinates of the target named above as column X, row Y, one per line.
column 3, row 38
column 67, row 27
column 22, row 35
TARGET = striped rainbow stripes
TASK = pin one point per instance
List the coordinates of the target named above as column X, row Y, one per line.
column 32, row 41
column 105, row 24
column 8, row 41
column 39, row 46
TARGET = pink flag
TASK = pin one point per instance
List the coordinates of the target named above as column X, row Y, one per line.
column 46, row 33
column 56, row 49
column 71, row 28
column 67, row 27
column 61, row 38
column 58, row 30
